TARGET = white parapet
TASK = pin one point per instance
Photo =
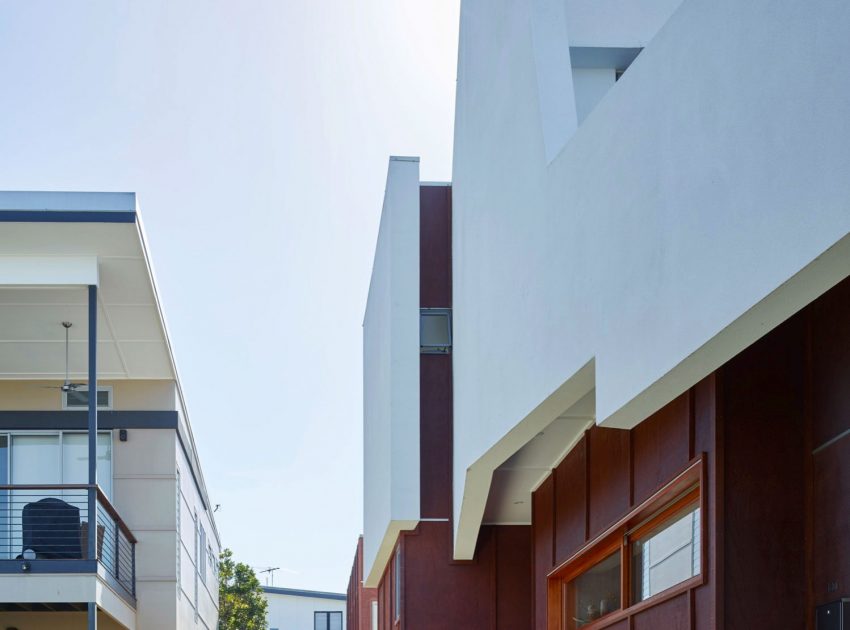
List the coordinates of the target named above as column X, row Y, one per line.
column 391, row 373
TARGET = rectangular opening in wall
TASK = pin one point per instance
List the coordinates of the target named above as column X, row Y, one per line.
column 78, row 399
column 435, row 330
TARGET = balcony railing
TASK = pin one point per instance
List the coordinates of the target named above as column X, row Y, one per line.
column 51, row 522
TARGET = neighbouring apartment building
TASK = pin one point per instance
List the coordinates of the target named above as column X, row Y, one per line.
column 605, row 369
column 125, row 539
column 296, row 609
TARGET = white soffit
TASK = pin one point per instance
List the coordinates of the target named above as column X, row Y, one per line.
column 509, row 499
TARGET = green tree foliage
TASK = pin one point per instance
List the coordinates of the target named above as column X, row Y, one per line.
column 242, row 605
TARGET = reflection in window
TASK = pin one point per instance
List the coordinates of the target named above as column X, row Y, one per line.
column 667, row 555
column 594, row 593
column 327, row 620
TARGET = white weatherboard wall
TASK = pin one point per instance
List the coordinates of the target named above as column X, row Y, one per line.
column 295, row 612
column 391, row 373
column 704, row 200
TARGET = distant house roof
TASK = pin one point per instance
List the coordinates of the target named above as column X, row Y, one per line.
column 300, row 593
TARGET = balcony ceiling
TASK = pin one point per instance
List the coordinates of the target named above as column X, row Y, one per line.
column 131, row 340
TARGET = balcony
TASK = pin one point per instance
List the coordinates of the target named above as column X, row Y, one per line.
column 44, row 533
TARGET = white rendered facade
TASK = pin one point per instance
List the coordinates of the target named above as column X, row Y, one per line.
column 586, row 237
column 391, row 372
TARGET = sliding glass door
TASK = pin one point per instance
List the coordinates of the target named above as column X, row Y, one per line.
column 5, row 543
column 46, row 458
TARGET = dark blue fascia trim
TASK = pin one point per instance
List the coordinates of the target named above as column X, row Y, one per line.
column 72, row 420
column 299, row 593
column 65, row 216
column 48, row 566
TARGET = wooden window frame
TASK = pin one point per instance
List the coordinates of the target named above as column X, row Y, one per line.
column 685, row 489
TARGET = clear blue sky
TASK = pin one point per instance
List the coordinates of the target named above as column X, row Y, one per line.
column 256, row 135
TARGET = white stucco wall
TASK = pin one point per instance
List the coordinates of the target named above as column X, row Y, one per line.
column 688, row 215
column 391, row 372
column 295, row 612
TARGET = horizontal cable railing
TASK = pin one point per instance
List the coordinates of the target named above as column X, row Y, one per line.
column 51, row 522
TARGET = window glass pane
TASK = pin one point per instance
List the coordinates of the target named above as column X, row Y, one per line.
column 594, row 593
column 667, row 556
column 35, row 459
column 374, row 615
column 80, row 398
column 335, row 621
column 435, row 331
column 320, row 621
column 75, row 460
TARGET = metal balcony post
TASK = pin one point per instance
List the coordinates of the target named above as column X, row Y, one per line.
column 117, row 552
column 92, row 450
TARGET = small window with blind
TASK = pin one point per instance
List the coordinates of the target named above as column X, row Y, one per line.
column 78, row 399
column 327, row 620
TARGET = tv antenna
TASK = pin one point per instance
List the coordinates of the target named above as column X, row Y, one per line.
column 270, row 575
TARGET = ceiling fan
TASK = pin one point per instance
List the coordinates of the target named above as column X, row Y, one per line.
column 67, row 386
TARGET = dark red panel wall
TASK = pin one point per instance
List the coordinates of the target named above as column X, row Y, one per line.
column 763, row 407
column 706, row 436
column 660, row 448
column 570, row 480
column 435, row 246
column 491, row 592
column 513, row 577
column 435, row 370
column 608, row 477
column 542, row 532
column 673, row 614
column 830, row 348
column 435, row 435
column 829, row 327
column 831, row 540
